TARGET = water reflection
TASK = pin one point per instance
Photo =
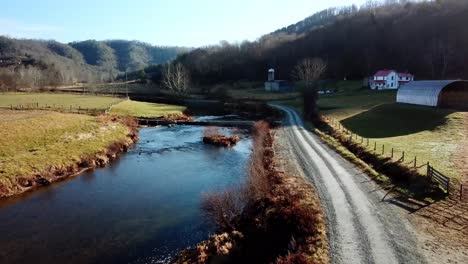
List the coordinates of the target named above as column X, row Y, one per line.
column 140, row 209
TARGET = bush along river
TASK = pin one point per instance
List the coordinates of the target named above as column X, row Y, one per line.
column 142, row 208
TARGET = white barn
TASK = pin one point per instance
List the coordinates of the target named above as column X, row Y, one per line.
column 447, row 93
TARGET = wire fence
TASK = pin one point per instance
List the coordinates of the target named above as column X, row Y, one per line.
column 399, row 156
column 75, row 109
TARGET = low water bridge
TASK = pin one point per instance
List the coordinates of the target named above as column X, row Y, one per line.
column 218, row 123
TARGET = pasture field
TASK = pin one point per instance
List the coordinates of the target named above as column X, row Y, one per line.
column 259, row 94
column 34, row 141
column 431, row 134
column 142, row 109
column 56, row 101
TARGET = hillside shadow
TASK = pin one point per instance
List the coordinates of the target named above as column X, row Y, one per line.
column 392, row 120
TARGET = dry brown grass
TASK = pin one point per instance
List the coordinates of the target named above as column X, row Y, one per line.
column 212, row 136
column 223, row 207
column 270, row 219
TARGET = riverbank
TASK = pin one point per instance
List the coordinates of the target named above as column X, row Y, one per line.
column 275, row 217
column 40, row 147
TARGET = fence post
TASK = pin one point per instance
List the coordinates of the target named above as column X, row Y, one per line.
column 429, row 170
column 461, row 192
column 403, row 157
column 415, row 161
column 392, row 153
column 383, row 149
column 375, row 146
column 367, row 142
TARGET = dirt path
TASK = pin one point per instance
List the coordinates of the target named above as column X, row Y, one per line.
column 361, row 228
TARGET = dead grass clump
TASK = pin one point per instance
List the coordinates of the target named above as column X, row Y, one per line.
column 3, row 190
column 212, row 136
column 223, row 207
column 180, row 117
column 270, row 219
column 258, row 182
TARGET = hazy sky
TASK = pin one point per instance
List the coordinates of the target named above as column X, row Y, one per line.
column 161, row 22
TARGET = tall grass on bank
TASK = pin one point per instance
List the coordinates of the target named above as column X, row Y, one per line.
column 223, row 207
column 43, row 144
column 271, row 218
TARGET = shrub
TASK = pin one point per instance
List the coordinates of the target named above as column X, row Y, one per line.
column 223, row 207
column 211, row 135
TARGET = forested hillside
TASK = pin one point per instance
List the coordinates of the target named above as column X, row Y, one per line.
column 429, row 39
column 38, row 63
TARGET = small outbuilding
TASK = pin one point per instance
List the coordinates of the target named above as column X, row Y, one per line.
column 280, row 86
column 273, row 85
column 447, row 93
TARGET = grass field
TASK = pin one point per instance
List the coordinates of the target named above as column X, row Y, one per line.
column 141, row 109
column 430, row 134
column 32, row 141
column 54, row 100
column 261, row 95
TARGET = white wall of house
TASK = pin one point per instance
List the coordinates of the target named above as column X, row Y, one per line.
column 391, row 81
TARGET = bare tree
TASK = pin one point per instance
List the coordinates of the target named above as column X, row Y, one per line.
column 176, row 78
column 309, row 72
column 7, row 80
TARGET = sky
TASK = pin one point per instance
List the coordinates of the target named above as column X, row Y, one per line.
column 190, row 23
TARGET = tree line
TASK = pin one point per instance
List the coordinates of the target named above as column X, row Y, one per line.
column 26, row 63
column 426, row 38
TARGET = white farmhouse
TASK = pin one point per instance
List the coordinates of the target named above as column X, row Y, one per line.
column 389, row 79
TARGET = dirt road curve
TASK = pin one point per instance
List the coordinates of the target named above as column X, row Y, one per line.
column 362, row 228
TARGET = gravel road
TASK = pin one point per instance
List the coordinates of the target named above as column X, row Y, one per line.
column 361, row 228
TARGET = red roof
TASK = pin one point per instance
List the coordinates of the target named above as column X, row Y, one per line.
column 400, row 74
column 383, row 73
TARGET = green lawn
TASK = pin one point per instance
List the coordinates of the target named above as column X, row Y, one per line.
column 32, row 141
column 430, row 134
column 141, row 109
column 260, row 94
column 54, row 100
column 342, row 106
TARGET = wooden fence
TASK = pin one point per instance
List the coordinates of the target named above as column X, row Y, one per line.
column 436, row 176
column 439, row 178
column 61, row 108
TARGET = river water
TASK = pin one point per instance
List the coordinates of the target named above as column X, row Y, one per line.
column 142, row 208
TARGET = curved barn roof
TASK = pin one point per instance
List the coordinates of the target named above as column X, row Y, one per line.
column 422, row 92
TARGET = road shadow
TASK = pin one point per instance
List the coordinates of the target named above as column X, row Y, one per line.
column 392, row 120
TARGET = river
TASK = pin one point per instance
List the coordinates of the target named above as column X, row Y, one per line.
column 142, row 208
